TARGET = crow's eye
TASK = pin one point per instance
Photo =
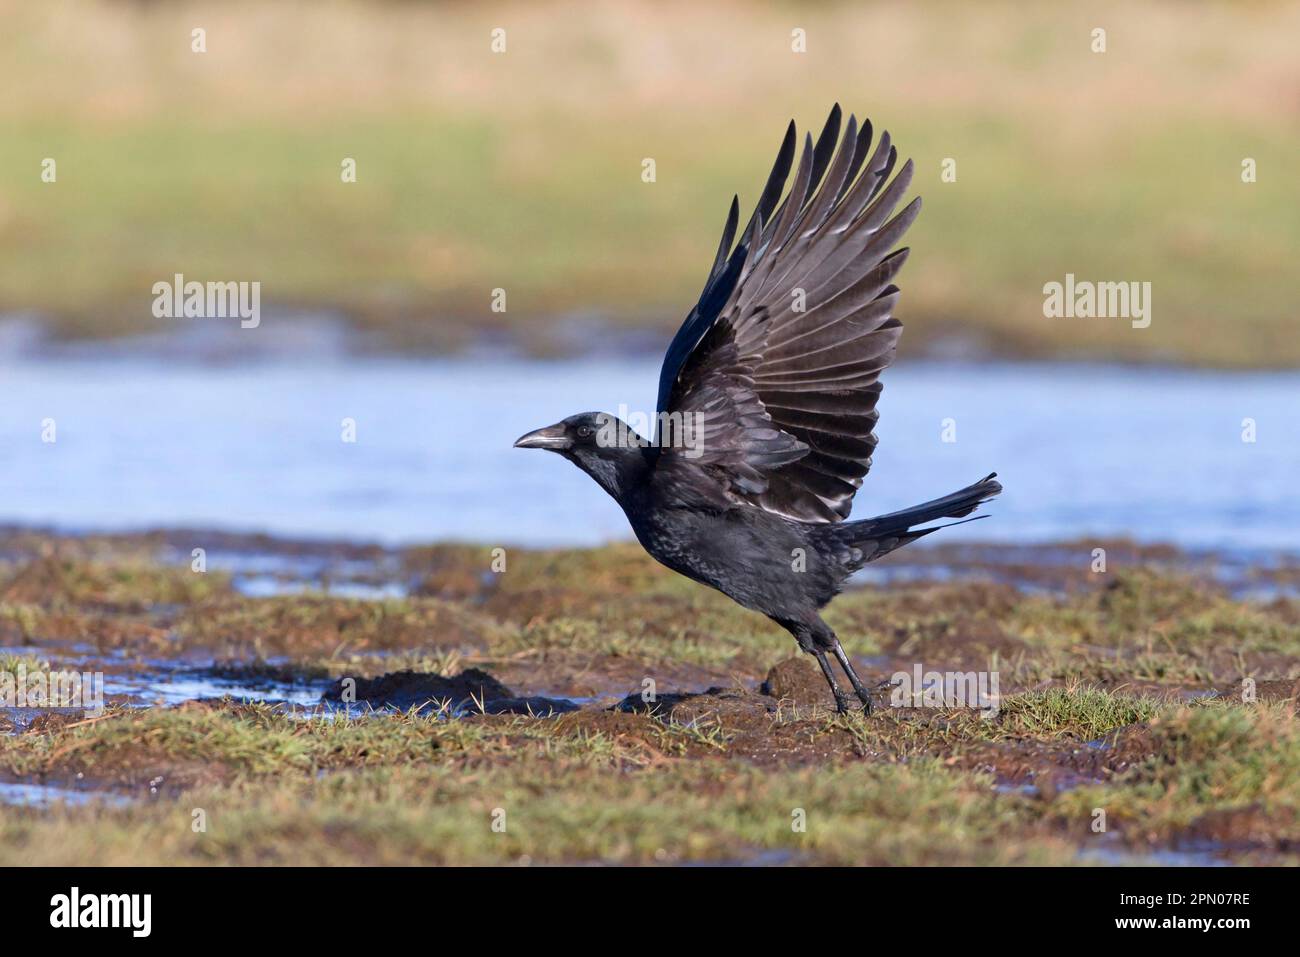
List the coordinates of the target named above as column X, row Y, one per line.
column 584, row 431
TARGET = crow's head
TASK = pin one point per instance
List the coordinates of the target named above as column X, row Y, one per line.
column 602, row 445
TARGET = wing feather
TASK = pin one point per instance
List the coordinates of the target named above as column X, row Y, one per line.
column 779, row 362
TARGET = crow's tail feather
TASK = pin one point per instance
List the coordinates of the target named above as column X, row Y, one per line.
column 957, row 505
column 874, row 537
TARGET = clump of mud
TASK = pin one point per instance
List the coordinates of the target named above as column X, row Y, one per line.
column 471, row 691
column 797, row 680
column 793, row 682
column 732, row 705
column 1283, row 690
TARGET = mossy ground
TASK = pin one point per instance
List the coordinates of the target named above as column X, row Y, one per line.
column 1123, row 701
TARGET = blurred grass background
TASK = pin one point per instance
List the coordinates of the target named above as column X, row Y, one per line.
column 522, row 170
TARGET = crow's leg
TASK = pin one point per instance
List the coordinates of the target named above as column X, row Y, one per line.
column 841, row 699
column 814, row 637
column 863, row 694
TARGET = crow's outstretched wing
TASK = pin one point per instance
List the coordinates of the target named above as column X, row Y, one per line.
column 778, row 364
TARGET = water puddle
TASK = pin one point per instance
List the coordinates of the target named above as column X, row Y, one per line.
column 165, row 683
column 17, row 794
column 1028, row 790
column 1120, row 857
column 158, row 682
column 770, row 857
column 171, row 686
column 271, row 586
column 265, row 575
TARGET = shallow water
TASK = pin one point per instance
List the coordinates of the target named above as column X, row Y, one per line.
column 48, row 795
column 166, row 684
column 256, row 446
column 1120, row 857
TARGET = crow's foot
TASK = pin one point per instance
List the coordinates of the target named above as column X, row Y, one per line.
column 845, row 703
column 863, row 694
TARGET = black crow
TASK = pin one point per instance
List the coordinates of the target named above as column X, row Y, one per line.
column 767, row 399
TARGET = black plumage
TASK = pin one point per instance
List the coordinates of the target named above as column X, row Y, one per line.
column 767, row 398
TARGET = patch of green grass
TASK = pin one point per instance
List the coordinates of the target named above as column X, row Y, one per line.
column 30, row 663
column 477, row 172
column 127, row 586
column 553, row 812
column 1076, row 713
column 1081, row 713
column 1227, row 755
column 1226, row 773
column 323, row 626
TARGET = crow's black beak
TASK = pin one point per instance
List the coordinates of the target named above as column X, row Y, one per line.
column 552, row 437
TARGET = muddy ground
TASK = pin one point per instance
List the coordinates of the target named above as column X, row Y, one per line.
column 269, row 701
